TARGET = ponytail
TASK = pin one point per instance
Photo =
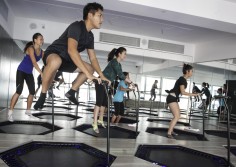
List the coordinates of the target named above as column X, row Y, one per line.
column 35, row 36
column 28, row 45
column 115, row 52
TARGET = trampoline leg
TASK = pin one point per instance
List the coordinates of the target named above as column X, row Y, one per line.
column 108, row 126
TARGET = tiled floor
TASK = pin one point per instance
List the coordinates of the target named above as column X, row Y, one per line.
column 124, row 149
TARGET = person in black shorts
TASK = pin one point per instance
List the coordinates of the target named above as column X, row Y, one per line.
column 206, row 92
column 173, row 98
column 196, row 90
column 39, row 82
column 153, row 92
column 64, row 53
column 59, row 78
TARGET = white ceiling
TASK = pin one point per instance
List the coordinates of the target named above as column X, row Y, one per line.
column 65, row 12
column 129, row 18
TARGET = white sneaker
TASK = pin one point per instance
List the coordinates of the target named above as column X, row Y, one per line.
column 10, row 116
column 28, row 112
column 95, row 128
column 101, row 123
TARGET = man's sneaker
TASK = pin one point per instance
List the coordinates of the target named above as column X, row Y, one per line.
column 72, row 99
column 95, row 128
column 101, row 123
column 28, row 112
column 39, row 104
column 10, row 116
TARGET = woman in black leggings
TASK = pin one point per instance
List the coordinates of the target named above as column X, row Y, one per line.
column 33, row 53
column 173, row 98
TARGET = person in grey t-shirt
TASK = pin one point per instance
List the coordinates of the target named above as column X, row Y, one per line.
column 64, row 53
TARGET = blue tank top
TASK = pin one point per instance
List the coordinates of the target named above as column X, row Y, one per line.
column 26, row 65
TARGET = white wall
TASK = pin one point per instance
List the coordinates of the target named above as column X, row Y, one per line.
column 216, row 50
column 8, row 24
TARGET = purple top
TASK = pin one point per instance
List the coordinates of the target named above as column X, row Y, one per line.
column 26, row 65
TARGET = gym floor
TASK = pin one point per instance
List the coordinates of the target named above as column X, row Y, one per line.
column 123, row 149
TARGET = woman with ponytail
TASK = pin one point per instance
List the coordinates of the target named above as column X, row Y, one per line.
column 33, row 53
column 112, row 70
column 206, row 92
column 173, row 97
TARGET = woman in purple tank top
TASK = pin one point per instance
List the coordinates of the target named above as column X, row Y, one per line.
column 33, row 53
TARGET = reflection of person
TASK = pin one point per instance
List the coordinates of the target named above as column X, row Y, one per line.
column 64, row 53
column 33, row 53
column 221, row 107
column 118, row 99
column 196, row 90
column 173, row 97
column 206, row 92
column 59, row 78
column 39, row 82
column 153, row 92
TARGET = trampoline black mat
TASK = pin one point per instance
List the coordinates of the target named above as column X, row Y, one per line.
column 167, row 121
column 115, row 132
column 123, row 120
column 178, row 156
column 60, row 107
column 57, row 116
column 182, row 135
column 221, row 133
column 26, row 127
column 232, row 149
column 46, row 154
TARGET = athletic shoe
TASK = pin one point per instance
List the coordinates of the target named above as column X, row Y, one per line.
column 174, row 134
column 39, row 104
column 58, row 87
column 95, row 128
column 72, row 99
column 170, row 136
column 28, row 112
column 101, row 123
column 10, row 116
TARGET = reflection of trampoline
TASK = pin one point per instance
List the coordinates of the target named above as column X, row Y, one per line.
column 55, row 154
column 178, row 156
column 57, row 116
column 183, row 135
column 221, row 133
column 115, row 132
column 27, row 127
column 160, row 120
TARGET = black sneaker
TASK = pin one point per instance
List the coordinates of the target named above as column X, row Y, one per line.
column 72, row 99
column 39, row 104
column 170, row 136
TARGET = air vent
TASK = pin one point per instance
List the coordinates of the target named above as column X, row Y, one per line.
column 3, row 9
column 118, row 39
column 164, row 46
